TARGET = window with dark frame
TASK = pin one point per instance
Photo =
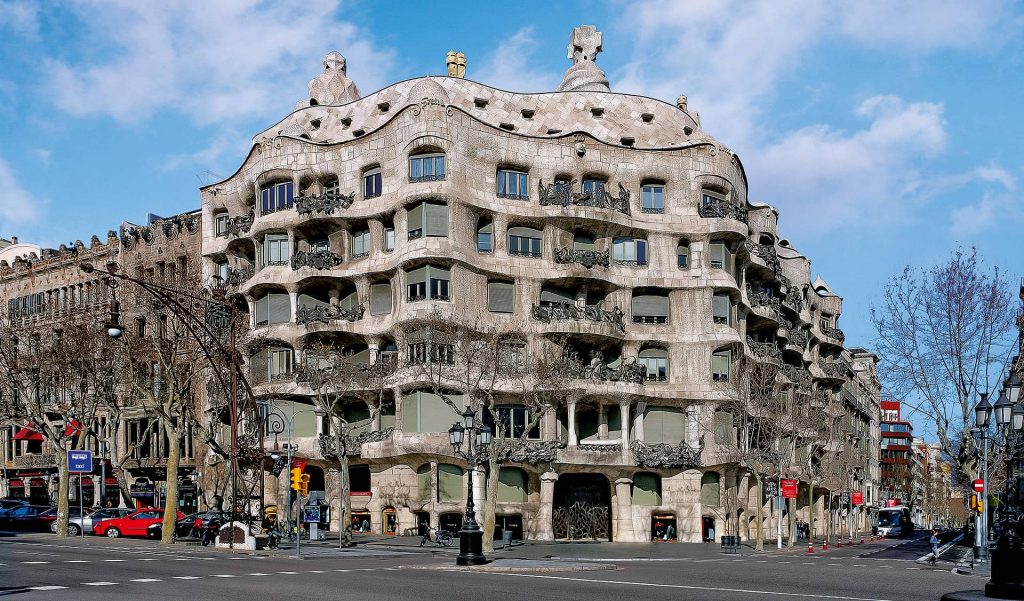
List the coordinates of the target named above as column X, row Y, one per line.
column 372, row 183
column 652, row 198
column 426, row 168
column 276, row 196
column 512, row 184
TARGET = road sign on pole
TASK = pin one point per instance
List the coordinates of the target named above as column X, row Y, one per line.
column 858, row 497
column 789, row 489
column 773, row 488
column 80, row 462
column 979, row 485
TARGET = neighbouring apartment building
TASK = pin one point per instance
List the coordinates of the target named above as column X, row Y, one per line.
column 41, row 287
column 611, row 227
column 900, row 465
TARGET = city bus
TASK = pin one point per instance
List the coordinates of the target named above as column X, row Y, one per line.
column 895, row 521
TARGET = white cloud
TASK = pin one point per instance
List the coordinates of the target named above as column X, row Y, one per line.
column 923, row 25
column 20, row 17
column 991, row 210
column 17, row 206
column 214, row 61
column 228, row 142
column 822, row 178
column 43, row 154
column 509, row 68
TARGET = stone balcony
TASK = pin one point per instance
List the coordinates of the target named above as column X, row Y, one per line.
column 42, row 460
column 722, row 209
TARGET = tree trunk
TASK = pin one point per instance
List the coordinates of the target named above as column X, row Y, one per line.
column 171, row 504
column 344, row 490
column 490, row 503
column 62, row 489
column 810, row 512
column 759, row 525
column 792, row 523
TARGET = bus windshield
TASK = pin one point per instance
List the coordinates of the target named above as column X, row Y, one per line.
column 888, row 518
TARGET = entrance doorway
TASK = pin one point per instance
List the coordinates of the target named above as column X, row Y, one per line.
column 708, row 529
column 582, row 507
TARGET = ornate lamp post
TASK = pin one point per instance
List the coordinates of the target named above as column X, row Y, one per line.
column 982, row 414
column 1006, row 581
column 471, row 539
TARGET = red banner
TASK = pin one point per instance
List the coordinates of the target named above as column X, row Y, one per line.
column 858, row 497
column 789, row 489
column 299, row 463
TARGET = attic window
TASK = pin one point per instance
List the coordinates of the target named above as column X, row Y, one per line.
column 315, row 124
column 313, row 102
column 384, row 106
column 358, row 132
column 554, row 131
column 480, row 102
column 627, row 140
column 596, row 111
column 647, row 117
column 507, row 126
column 687, row 130
column 346, row 121
column 528, row 113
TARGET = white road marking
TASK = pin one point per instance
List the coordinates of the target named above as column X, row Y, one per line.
column 182, row 559
column 835, row 564
column 686, row 587
column 146, row 580
column 76, row 561
column 860, row 565
column 761, row 561
column 259, row 574
column 236, row 558
column 314, row 571
column 186, row 577
column 35, row 562
column 149, row 559
column 785, row 562
column 288, row 573
column 115, row 560
column 223, row 576
column 104, row 583
column 46, row 588
column 913, row 568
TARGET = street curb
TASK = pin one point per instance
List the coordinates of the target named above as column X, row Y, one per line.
column 567, row 567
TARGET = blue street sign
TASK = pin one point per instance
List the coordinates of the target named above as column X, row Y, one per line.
column 79, row 462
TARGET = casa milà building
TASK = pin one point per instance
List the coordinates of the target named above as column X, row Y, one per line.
column 611, row 226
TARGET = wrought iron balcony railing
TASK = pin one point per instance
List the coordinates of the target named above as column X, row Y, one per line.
column 586, row 258
column 563, row 194
column 563, row 311
column 326, row 203
column 722, row 209
column 307, row 314
column 316, row 259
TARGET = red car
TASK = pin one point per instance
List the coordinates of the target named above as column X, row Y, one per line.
column 133, row 524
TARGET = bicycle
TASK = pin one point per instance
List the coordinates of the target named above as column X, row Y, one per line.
column 442, row 538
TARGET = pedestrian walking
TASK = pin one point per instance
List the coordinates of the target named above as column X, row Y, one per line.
column 934, row 542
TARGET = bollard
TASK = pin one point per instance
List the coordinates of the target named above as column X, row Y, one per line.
column 862, row 539
column 824, row 545
column 810, row 547
column 839, row 543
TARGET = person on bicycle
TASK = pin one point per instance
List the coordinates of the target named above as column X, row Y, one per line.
column 934, row 543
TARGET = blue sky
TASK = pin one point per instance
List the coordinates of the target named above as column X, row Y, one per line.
column 885, row 132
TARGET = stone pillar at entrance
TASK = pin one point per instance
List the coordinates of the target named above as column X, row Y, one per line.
column 572, row 422
column 624, row 420
column 545, row 530
column 624, row 531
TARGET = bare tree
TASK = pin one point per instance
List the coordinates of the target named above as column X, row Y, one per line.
column 53, row 380
column 943, row 334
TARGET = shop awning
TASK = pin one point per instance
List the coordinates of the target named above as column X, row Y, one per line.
column 37, row 482
column 17, row 483
column 73, row 428
column 27, row 433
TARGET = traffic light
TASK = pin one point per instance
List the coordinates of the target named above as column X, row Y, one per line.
column 977, row 504
column 973, row 502
column 304, row 485
column 296, row 478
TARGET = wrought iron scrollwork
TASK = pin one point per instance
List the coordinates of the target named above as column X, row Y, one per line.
column 518, row 450
column 326, row 203
column 661, row 455
column 239, row 224
column 586, row 258
column 767, row 254
column 307, row 314
column 561, row 311
column 237, row 276
column 722, row 209
column 796, row 375
column 836, row 369
column 317, row 259
column 834, row 333
column 764, row 350
column 131, row 235
column 628, row 370
column 353, row 444
column 765, row 299
column 562, row 194
column 600, row 448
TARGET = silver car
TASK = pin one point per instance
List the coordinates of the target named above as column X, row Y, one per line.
column 77, row 524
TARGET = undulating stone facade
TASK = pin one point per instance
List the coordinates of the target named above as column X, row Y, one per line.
column 611, row 226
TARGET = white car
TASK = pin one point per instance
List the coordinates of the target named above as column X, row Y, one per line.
column 88, row 523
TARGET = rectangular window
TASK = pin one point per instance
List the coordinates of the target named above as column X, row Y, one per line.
column 428, row 219
column 657, row 366
column 721, row 365
column 360, row 243
column 426, row 168
column 629, row 251
column 221, row 226
column 683, row 256
column 719, row 255
column 428, row 282
column 424, row 352
column 650, row 308
column 501, row 297
column 273, row 308
column 279, row 363
column 319, row 244
column 372, row 183
column 485, row 238
column 389, row 238
column 595, row 186
column 380, row 299
column 524, row 242
column 275, row 250
column 513, row 184
column 652, row 199
column 721, row 309
column 510, row 421
column 276, row 197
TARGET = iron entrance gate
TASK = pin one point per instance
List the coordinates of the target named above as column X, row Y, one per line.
column 582, row 507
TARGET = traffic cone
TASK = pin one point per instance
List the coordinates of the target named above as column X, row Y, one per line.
column 862, row 539
column 810, row 546
column 824, row 545
column 839, row 542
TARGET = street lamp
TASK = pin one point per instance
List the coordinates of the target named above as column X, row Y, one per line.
column 982, row 414
column 1006, row 581
column 471, row 537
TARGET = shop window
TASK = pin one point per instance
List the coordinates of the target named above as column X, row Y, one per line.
column 710, row 491
column 359, row 479
column 663, row 527
column 450, row 486
column 423, row 488
column 512, row 485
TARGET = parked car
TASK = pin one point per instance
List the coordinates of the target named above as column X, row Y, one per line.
column 23, row 518
column 77, row 524
column 186, row 527
column 47, row 520
column 133, row 524
column 8, row 504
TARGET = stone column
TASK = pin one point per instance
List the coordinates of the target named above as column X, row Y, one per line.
column 638, row 422
column 545, row 529
column 478, row 495
column 624, row 531
column 624, row 420
column 602, row 421
column 571, row 409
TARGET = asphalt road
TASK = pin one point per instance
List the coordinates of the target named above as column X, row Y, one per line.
column 40, row 567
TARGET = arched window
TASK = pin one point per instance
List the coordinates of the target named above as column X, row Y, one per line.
column 683, row 254
column 449, row 482
column 524, row 242
column 512, row 485
column 656, row 362
column 276, row 196
column 652, row 197
column 273, row 308
column 664, row 425
column 485, row 235
column 423, row 488
column 428, row 167
column 710, row 491
column 646, row 489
